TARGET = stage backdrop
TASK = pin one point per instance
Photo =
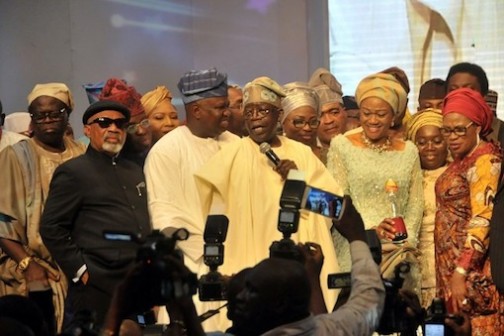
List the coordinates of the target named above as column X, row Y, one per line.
column 153, row 42
column 423, row 37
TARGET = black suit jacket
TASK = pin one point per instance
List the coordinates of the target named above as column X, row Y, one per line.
column 90, row 194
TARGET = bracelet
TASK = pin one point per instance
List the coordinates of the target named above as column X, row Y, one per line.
column 460, row 270
column 23, row 264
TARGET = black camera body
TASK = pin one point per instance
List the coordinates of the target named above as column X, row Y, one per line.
column 288, row 218
column 155, row 276
column 394, row 317
column 161, row 287
column 213, row 286
column 434, row 324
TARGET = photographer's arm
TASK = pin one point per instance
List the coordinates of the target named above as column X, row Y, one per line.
column 361, row 314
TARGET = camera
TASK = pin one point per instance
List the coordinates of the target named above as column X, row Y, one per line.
column 155, row 277
column 213, row 286
column 434, row 324
column 163, row 288
column 344, row 280
column 288, row 217
column 394, row 318
column 296, row 195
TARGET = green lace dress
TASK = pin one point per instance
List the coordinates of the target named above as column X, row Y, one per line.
column 362, row 173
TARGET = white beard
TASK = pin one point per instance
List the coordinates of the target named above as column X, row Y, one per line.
column 113, row 148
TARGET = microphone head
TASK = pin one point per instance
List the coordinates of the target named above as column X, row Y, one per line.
column 264, row 147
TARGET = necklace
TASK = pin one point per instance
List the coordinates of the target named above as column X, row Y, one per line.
column 377, row 148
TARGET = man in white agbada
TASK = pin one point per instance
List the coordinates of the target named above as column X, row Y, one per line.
column 172, row 161
column 250, row 186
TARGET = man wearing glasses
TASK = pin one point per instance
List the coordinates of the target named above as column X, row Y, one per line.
column 95, row 192
column 27, row 167
column 251, row 185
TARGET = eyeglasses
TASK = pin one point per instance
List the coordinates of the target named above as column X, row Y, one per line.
column 300, row 123
column 458, row 130
column 262, row 111
column 39, row 118
column 105, row 122
column 133, row 128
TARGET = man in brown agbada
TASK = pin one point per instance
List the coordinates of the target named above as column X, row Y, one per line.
column 27, row 168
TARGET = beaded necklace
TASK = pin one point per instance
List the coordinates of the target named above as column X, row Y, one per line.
column 377, row 148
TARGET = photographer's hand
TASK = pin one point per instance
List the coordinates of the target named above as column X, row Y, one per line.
column 283, row 168
column 460, row 330
column 314, row 260
column 351, row 225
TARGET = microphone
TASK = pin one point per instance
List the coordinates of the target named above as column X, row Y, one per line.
column 265, row 148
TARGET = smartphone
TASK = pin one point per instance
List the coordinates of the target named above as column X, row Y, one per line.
column 323, row 203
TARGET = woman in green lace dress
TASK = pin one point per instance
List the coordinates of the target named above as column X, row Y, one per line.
column 363, row 161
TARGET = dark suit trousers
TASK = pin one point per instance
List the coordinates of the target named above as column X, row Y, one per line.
column 88, row 297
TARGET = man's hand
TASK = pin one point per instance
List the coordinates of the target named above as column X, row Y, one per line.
column 350, row 225
column 85, row 278
column 460, row 330
column 283, row 168
column 36, row 273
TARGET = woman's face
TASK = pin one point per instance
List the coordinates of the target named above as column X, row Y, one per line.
column 376, row 117
column 163, row 119
column 431, row 146
column 301, row 125
column 460, row 133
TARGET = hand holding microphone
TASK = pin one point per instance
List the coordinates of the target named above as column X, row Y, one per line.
column 282, row 167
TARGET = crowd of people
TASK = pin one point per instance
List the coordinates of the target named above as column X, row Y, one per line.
column 75, row 212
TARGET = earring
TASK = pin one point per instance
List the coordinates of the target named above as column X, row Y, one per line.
column 392, row 124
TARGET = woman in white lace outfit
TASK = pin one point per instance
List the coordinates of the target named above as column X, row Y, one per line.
column 363, row 161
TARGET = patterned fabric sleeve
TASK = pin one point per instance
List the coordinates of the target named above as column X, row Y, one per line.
column 335, row 163
column 415, row 206
column 483, row 178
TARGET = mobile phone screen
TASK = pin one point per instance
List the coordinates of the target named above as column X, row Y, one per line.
column 323, row 203
column 434, row 329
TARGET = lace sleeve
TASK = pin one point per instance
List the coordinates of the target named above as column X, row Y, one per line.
column 415, row 206
column 335, row 163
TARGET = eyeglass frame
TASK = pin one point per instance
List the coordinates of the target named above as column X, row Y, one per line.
column 133, row 128
column 119, row 122
column 457, row 130
column 56, row 115
column 310, row 123
column 261, row 111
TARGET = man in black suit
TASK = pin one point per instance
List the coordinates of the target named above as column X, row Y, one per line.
column 89, row 194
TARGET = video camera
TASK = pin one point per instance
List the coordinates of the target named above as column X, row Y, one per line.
column 296, row 195
column 156, row 274
column 213, row 286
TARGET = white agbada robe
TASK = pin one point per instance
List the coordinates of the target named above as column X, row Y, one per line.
column 172, row 195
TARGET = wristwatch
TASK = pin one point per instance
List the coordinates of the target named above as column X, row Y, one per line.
column 23, row 264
